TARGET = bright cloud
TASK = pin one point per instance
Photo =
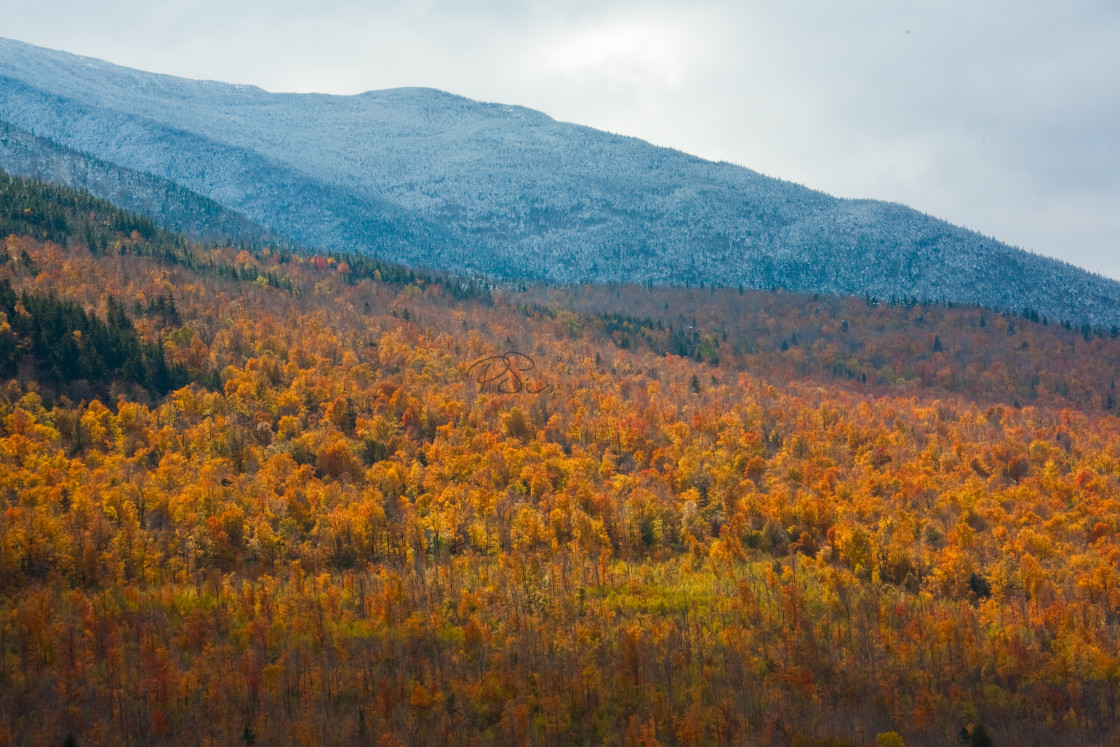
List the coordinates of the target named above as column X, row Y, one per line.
column 622, row 53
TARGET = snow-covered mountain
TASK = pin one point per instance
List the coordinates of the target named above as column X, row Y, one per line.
column 178, row 208
column 427, row 178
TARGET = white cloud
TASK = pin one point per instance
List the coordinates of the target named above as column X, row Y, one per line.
column 623, row 53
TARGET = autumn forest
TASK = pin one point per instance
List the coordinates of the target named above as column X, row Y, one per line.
column 259, row 496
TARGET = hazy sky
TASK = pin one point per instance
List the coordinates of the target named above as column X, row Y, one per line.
column 1003, row 117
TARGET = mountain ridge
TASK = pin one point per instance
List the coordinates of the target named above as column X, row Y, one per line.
column 433, row 179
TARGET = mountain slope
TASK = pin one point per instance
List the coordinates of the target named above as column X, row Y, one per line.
column 427, row 178
column 181, row 210
column 288, row 202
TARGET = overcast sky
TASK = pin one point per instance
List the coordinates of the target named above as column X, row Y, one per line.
column 1003, row 117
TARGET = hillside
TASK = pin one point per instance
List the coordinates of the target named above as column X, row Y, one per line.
column 176, row 208
column 434, row 180
column 347, row 529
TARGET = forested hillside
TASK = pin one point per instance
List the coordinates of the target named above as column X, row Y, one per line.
column 177, row 209
column 433, row 180
column 397, row 508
